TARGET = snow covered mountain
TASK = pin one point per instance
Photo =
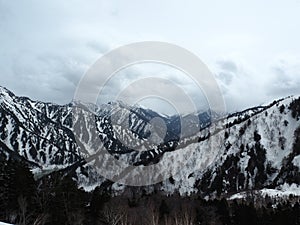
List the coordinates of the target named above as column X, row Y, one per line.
column 256, row 149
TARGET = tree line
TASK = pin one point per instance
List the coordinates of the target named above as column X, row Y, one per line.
column 56, row 199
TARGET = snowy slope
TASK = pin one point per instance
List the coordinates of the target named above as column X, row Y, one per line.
column 251, row 155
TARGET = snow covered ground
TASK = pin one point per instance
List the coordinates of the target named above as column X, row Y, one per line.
column 281, row 192
column 1, row 223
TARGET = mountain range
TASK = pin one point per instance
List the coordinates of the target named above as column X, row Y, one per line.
column 256, row 150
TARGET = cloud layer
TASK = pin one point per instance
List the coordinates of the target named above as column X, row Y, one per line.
column 46, row 47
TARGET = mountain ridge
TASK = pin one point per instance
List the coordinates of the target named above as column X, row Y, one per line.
column 249, row 150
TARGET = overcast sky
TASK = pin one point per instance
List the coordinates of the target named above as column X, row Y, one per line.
column 252, row 47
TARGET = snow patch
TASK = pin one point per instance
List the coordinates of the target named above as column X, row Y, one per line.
column 296, row 161
column 282, row 191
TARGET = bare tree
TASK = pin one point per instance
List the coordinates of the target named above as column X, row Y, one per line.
column 22, row 213
column 152, row 215
column 25, row 217
column 41, row 219
column 168, row 220
column 76, row 217
column 185, row 216
column 114, row 213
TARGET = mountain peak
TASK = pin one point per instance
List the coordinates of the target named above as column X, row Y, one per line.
column 5, row 92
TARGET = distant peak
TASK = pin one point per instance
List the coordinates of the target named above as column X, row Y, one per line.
column 5, row 90
column 5, row 93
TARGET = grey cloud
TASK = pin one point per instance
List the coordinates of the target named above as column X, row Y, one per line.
column 228, row 65
column 42, row 55
column 98, row 46
column 285, row 79
column 46, row 47
column 226, row 77
column 242, row 88
column 235, row 82
column 228, row 69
